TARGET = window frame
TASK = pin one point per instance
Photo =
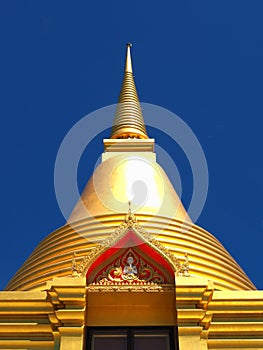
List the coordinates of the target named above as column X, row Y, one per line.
column 131, row 333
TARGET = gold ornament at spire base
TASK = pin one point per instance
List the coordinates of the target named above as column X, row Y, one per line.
column 128, row 122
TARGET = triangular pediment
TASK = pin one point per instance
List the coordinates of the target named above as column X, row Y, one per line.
column 130, row 255
column 131, row 260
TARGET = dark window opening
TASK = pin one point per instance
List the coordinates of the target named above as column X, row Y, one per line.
column 131, row 338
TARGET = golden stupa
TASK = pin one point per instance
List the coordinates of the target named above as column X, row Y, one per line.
column 142, row 276
column 129, row 159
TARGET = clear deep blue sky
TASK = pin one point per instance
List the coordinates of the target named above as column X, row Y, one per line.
column 61, row 60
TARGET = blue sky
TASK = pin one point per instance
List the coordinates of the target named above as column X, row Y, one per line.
column 61, row 60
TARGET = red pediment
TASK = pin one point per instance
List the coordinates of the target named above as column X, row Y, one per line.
column 131, row 260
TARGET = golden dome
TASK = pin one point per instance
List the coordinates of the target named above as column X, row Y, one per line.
column 122, row 176
column 129, row 172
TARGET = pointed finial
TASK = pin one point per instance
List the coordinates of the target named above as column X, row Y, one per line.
column 128, row 65
column 130, row 218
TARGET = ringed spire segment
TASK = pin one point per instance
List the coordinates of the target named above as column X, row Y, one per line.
column 128, row 121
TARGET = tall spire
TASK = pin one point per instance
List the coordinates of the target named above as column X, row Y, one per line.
column 128, row 122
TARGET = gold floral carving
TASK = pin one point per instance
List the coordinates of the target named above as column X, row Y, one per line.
column 130, row 268
column 119, row 287
column 184, row 267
